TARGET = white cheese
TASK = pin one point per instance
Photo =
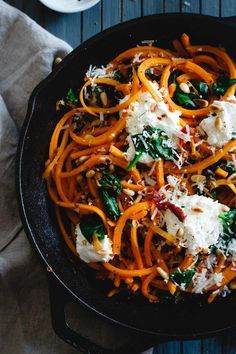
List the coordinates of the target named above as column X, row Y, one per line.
column 137, row 58
column 206, row 279
column 218, row 134
column 87, row 251
column 228, row 249
column 147, row 112
column 202, row 226
column 94, row 72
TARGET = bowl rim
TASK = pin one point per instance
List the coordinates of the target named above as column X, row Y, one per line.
column 53, row 5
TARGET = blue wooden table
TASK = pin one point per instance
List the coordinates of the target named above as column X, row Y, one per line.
column 75, row 28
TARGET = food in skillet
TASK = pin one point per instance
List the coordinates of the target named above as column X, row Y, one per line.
column 142, row 171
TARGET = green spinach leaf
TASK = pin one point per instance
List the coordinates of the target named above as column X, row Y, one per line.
column 185, row 100
column 109, row 200
column 201, row 87
column 110, row 181
column 183, row 278
column 71, row 96
column 154, row 142
column 229, row 223
column 92, row 225
column 222, row 84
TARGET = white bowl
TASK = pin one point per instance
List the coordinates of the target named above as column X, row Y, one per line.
column 69, row 6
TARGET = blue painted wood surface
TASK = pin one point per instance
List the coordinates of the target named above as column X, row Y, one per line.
column 75, row 28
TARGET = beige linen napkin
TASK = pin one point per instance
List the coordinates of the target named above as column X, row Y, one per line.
column 27, row 52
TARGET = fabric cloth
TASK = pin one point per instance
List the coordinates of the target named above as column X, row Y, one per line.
column 27, row 53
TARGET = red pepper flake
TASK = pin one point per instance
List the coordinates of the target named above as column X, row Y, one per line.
column 158, row 198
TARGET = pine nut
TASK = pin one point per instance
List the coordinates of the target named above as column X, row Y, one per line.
column 82, row 158
column 103, row 97
column 180, row 232
column 162, row 273
column 90, row 173
column 129, row 192
column 198, row 210
column 218, row 123
column 225, row 208
column 198, row 178
column 184, row 87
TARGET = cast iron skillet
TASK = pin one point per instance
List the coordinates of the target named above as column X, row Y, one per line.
column 191, row 319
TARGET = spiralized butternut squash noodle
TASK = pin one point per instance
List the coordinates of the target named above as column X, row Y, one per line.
column 142, row 171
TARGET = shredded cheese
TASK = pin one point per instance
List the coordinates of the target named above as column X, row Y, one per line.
column 206, row 279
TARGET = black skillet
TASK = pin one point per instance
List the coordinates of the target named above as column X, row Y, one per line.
column 191, row 319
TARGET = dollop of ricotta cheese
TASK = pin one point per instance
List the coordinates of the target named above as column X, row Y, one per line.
column 201, row 227
column 87, row 251
column 221, row 123
column 148, row 112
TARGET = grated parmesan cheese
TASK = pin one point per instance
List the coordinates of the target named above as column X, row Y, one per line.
column 205, row 279
column 87, row 251
column 94, row 72
column 137, row 58
column 220, row 124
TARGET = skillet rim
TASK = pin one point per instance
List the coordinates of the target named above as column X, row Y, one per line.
column 20, row 150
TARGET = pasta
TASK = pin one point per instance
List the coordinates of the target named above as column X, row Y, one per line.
column 142, row 171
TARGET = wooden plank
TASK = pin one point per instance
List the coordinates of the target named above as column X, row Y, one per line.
column 152, row 7
column 212, row 345
column 171, row 5
column 168, row 348
column 228, row 8
column 16, row 3
column 111, row 13
column 210, row 7
column 35, row 12
column 91, row 21
column 131, row 9
column 55, row 23
column 191, row 347
column 190, row 6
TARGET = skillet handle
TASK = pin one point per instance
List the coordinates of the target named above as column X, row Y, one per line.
column 59, row 298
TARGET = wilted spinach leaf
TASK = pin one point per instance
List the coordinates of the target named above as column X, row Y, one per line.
column 183, row 278
column 92, row 225
column 229, row 225
column 110, row 181
column 222, row 84
column 109, row 200
column 201, row 87
column 152, row 141
column 185, row 100
column 71, row 96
